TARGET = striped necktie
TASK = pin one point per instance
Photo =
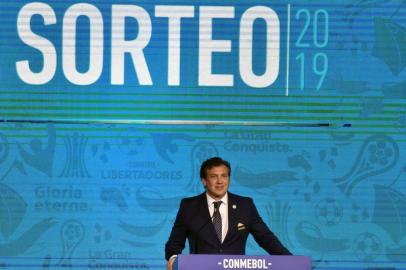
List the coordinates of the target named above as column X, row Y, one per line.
column 217, row 219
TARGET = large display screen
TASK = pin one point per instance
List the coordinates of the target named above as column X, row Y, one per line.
column 108, row 108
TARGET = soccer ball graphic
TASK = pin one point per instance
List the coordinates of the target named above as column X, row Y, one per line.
column 367, row 246
column 329, row 212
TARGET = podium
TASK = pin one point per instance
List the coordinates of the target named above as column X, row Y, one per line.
column 241, row 262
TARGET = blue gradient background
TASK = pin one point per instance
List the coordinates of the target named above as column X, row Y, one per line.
column 80, row 190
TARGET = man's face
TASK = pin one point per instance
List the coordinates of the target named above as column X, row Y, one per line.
column 217, row 181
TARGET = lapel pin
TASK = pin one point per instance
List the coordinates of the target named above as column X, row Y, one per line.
column 234, row 206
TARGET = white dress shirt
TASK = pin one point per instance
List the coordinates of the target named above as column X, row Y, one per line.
column 223, row 212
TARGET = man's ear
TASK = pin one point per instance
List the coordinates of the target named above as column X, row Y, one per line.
column 203, row 182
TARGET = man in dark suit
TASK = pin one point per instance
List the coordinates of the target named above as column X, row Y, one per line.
column 217, row 221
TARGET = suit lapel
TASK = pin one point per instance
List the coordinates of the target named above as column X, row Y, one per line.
column 207, row 232
column 204, row 210
column 232, row 217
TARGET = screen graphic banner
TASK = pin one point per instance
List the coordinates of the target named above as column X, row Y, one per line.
column 108, row 108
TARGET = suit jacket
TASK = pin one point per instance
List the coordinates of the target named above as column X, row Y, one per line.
column 193, row 222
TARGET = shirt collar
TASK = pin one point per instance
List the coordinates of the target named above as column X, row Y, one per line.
column 210, row 200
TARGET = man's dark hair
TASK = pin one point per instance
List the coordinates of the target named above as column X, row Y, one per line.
column 213, row 162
